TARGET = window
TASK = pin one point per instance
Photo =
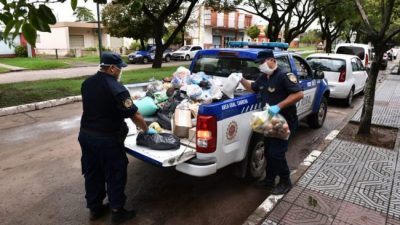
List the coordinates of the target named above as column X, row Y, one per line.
column 223, row 67
column 327, row 64
column 283, row 62
column 303, row 70
column 360, row 65
column 38, row 39
column 351, row 50
column 354, row 65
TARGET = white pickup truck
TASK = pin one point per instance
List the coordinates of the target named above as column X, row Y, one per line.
column 223, row 133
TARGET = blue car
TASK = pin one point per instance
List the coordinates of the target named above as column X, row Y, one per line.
column 146, row 56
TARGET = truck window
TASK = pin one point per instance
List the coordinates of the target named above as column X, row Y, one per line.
column 224, row 66
column 283, row 61
column 304, row 71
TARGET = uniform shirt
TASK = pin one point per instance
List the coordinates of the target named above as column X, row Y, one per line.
column 277, row 88
column 106, row 103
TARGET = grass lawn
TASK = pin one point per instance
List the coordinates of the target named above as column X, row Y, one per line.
column 303, row 48
column 34, row 63
column 36, row 91
column 3, row 70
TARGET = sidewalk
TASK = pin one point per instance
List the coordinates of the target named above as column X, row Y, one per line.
column 32, row 75
column 350, row 183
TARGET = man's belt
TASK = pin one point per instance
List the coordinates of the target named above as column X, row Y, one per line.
column 114, row 134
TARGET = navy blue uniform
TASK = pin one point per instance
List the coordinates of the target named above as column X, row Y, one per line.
column 273, row 90
column 104, row 163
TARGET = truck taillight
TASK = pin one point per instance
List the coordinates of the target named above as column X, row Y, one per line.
column 366, row 59
column 206, row 134
column 342, row 76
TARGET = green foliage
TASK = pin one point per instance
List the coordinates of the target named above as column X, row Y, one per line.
column 90, row 49
column 311, row 37
column 83, row 14
column 253, row 32
column 135, row 46
column 177, row 39
column 20, row 51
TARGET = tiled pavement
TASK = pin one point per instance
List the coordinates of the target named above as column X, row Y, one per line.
column 350, row 183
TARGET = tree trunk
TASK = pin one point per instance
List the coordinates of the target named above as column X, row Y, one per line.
column 369, row 98
column 142, row 43
column 183, row 37
column 158, row 58
column 328, row 45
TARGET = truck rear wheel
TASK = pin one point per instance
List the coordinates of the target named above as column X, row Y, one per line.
column 316, row 120
column 256, row 158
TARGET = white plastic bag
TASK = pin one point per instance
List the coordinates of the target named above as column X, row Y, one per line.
column 181, row 77
column 271, row 126
column 155, row 86
column 231, row 84
column 194, row 91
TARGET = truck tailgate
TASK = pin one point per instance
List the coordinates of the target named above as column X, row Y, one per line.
column 163, row 158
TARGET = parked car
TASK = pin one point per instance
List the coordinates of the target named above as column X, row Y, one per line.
column 146, row 56
column 363, row 51
column 186, row 52
column 346, row 74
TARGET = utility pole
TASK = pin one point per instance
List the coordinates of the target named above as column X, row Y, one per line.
column 99, row 29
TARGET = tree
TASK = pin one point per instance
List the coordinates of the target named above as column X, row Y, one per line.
column 83, row 14
column 253, row 32
column 334, row 20
column 121, row 21
column 311, row 37
column 160, row 13
column 381, row 25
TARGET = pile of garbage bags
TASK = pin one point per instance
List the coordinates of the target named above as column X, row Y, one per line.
column 175, row 100
column 270, row 126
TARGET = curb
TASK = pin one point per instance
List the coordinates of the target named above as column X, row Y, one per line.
column 260, row 214
column 38, row 105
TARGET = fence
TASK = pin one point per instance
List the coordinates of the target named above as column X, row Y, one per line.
column 63, row 53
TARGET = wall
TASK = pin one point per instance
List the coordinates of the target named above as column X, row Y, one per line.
column 58, row 38
column 5, row 50
column 89, row 35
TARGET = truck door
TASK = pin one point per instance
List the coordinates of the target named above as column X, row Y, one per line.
column 309, row 84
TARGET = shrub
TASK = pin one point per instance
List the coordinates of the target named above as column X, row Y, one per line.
column 90, row 49
column 21, row 51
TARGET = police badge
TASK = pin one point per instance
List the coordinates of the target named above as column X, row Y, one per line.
column 292, row 77
column 128, row 103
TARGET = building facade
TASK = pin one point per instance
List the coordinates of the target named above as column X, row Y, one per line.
column 212, row 29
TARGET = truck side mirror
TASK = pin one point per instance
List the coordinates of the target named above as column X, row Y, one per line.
column 318, row 74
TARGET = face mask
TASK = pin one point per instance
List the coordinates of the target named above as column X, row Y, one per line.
column 264, row 68
column 120, row 76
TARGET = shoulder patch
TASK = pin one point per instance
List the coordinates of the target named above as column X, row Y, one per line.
column 292, row 77
column 128, row 103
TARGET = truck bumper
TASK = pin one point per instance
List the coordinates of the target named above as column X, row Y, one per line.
column 197, row 168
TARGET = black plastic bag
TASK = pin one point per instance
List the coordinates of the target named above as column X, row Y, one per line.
column 163, row 141
column 164, row 120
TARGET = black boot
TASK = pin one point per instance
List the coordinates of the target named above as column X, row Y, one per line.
column 266, row 183
column 122, row 215
column 98, row 213
column 283, row 187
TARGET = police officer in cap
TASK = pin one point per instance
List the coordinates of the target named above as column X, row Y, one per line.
column 281, row 91
column 106, row 103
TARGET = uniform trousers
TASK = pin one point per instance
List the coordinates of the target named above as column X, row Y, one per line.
column 104, row 166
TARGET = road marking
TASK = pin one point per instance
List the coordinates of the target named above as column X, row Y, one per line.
column 332, row 135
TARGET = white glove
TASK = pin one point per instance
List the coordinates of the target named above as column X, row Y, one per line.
column 237, row 76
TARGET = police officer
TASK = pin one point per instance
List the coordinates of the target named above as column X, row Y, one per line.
column 104, row 163
column 281, row 91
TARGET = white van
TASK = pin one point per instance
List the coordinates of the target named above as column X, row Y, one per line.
column 363, row 51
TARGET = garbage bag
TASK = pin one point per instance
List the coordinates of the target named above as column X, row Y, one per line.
column 181, row 77
column 164, row 120
column 160, row 96
column 155, row 86
column 271, row 126
column 163, row 141
column 146, row 106
column 231, row 84
column 194, row 91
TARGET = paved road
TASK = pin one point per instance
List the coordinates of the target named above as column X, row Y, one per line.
column 32, row 75
column 41, row 182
